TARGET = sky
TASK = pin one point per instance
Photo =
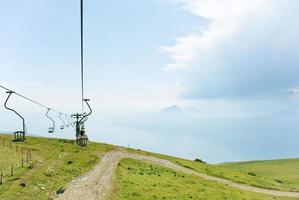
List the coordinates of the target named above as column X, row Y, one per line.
column 229, row 66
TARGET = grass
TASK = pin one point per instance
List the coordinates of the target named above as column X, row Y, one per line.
column 238, row 176
column 10, row 157
column 136, row 180
column 55, row 162
column 284, row 172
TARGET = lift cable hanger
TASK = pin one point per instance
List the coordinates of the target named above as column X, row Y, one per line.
column 31, row 100
column 82, row 54
column 62, row 120
column 81, row 118
column 51, row 128
column 19, row 136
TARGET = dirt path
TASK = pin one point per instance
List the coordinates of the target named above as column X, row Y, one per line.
column 97, row 184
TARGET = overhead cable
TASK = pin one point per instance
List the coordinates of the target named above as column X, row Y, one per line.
column 31, row 100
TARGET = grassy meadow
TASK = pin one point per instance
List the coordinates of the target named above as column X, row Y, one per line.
column 284, row 172
column 239, row 176
column 54, row 163
column 11, row 156
column 136, row 180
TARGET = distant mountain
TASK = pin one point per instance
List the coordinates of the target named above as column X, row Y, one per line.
column 285, row 113
column 175, row 109
column 171, row 109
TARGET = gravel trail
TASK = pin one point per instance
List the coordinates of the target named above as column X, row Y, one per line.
column 97, row 184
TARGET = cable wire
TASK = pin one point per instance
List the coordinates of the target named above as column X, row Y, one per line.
column 31, row 100
column 82, row 56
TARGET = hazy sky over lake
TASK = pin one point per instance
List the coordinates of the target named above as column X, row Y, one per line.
column 231, row 66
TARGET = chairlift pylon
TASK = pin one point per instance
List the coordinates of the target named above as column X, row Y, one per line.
column 19, row 136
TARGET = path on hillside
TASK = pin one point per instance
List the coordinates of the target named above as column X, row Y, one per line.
column 97, row 183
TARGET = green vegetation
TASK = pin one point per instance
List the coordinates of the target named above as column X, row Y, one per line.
column 10, row 157
column 285, row 173
column 136, row 180
column 226, row 173
column 54, row 163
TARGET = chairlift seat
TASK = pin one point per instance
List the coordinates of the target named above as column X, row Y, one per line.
column 82, row 140
column 51, row 130
column 19, row 136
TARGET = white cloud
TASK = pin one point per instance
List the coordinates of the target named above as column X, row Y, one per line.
column 248, row 47
column 225, row 17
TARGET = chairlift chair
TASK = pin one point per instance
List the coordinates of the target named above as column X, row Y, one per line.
column 82, row 140
column 19, row 136
column 81, row 137
column 72, row 123
column 67, row 121
column 51, row 128
column 63, row 122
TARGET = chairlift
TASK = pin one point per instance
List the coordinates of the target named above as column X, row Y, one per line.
column 72, row 123
column 63, row 122
column 81, row 137
column 82, row 140
column 19, row 136
column 51, row 128
column 67, row 121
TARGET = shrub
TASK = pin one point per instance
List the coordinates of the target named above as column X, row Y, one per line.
column 199, row 160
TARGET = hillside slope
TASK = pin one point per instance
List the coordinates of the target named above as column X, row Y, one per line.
column 136, row 180
column 49, row 166
column 236, row 175
column 54, row 163
column 284, row 172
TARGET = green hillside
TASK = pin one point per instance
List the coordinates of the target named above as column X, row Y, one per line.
column 54, row 163
column 137, row 180
column 236, row 175
column 49, row 164
column 285, row 173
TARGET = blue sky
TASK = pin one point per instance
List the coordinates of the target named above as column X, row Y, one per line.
column 224, row 60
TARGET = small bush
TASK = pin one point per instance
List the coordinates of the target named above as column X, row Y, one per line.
column 70, row 162
column 251, row 173
column 279, row 181
column 199, row 160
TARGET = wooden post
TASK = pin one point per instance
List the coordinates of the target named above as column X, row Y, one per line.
column 10, row 146
column 27, row 160
column 22, row 162
column 22, row 150
column 12, row 170
column 1, row 178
